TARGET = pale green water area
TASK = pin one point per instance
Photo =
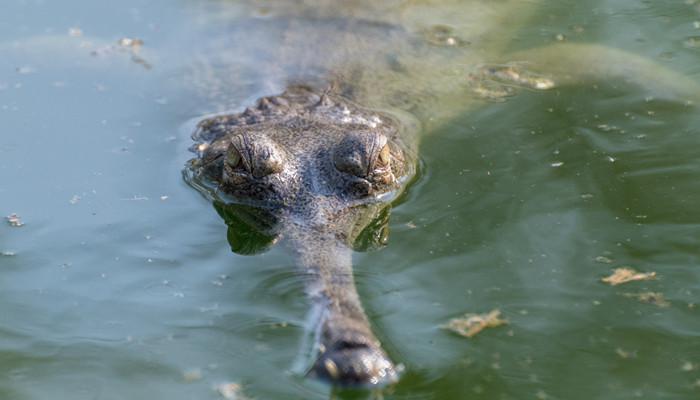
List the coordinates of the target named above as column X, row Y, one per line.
column 121, row 284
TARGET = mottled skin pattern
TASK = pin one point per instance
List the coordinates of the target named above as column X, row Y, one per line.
column 316, row 170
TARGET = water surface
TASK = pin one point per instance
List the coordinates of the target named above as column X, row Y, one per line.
column 121, row 283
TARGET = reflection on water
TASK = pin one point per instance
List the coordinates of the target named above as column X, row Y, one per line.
column 121, row 282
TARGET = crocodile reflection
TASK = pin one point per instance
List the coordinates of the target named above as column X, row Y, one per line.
column 313, row 173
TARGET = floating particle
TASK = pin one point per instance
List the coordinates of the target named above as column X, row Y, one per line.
column 496, row 82
column 692, row 42
column 655, row 298
column 230, row 391
column 126, row 45
column 443, row 36
column 75, row 32
column 194, row 374
column 131, row 42
column 626, row 353
column 471, row 324
column 622, row 275
column 14, row 220
column 688, row 366
column 512, row 73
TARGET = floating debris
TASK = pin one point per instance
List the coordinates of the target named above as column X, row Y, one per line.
column 192, row 375
column 622, row 275
column 230, row 391
column 136, row 198
column 513, row 73
column 496, row 82
column 14, row 220
column 603, row 259
column 688, row 366
column 443, row 36
column 655, row 298
column 135, row 44
column 626, row 353
column 692, row 42
column 75, row 32
column 131, row 45
column 471, row 324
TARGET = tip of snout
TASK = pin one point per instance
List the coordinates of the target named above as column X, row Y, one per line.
column 360, row 366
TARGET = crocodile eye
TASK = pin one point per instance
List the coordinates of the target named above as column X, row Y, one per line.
column 363, row 154
column 254, row 154
column 384, row 155
column 233, row 157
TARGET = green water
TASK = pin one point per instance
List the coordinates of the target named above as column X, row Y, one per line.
column 121, row 283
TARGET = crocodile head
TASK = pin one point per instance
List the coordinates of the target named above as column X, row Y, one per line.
column 312, row 172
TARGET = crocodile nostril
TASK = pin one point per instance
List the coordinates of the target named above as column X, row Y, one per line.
column 350, row 345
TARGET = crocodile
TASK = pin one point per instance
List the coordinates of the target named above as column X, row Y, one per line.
column 313, row 170
column 317, row 165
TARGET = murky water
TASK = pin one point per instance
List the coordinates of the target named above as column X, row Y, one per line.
column 120, row 284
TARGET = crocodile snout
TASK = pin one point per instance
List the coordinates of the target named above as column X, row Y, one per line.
column 354, row 361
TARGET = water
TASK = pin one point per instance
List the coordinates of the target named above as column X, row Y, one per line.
column 121, row 284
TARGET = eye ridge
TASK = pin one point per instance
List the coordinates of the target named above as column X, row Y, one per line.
column 254, row 155
column 365, row 154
